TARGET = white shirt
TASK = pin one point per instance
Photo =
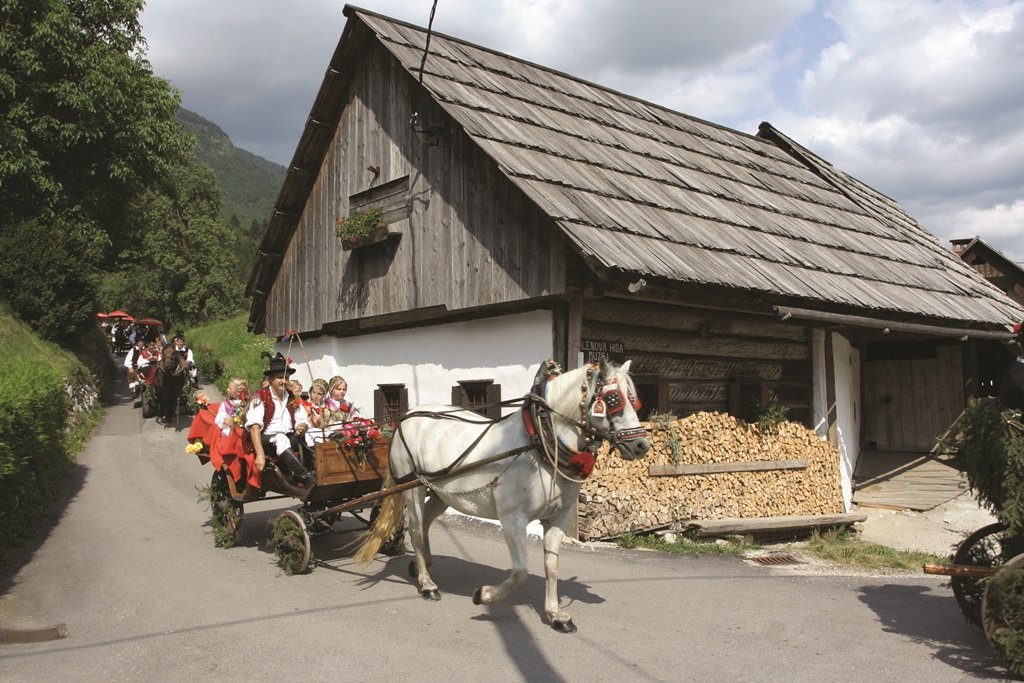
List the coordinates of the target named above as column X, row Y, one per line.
column 281, row 423
column 223, row 419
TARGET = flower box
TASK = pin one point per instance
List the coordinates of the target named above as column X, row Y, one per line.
column 384, row 233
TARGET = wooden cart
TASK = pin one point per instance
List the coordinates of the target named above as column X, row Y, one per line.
column 347, row 480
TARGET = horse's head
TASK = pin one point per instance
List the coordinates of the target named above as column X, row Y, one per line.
column 613, row 408
column 607, row 410
column 173, row 360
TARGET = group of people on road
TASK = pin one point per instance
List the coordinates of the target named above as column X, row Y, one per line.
column 279, row 422
column 142, row 359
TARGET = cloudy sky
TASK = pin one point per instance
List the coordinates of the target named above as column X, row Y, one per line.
column 921, row 99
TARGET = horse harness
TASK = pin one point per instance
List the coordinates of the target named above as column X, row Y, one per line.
column 600, row 397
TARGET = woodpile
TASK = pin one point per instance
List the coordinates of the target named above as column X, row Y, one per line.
column 621, row 496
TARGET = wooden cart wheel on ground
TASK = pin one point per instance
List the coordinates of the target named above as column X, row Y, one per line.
column 227, row 513
column 290, row 542
column 1002, row 614
column 986, row 547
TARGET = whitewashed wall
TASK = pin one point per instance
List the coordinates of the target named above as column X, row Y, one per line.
column 431, row 360
column 846, row 360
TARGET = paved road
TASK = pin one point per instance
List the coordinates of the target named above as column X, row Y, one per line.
column 131, row 568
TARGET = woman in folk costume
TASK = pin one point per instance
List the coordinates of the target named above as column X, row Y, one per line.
column 316, row 410
column 274, row 423
column 337, row 410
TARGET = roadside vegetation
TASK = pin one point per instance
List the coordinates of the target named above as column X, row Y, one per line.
column 227, row 349
column 836, row 546
column 47, row 410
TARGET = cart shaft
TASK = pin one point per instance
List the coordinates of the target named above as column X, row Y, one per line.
column 968, row 570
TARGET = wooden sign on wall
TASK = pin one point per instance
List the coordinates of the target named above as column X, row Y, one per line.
column 596, row 349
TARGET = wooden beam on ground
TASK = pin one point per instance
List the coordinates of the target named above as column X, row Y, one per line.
column 720, row 467
column 762, row 525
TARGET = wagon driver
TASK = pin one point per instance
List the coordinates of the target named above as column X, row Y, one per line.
column 275, row 422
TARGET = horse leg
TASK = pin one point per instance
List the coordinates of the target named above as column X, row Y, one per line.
column 514, row 528
column 416, row 513
column 559, row 620
column 433, row 509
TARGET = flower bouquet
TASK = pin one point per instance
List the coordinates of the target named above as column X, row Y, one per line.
column 359, row 434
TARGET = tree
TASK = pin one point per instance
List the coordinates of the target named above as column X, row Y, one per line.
column 85, row 126
column 184, row 267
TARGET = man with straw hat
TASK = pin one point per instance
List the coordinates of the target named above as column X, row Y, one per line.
column 276, row 421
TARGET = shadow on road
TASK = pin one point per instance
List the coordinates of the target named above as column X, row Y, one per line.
column 934, row 620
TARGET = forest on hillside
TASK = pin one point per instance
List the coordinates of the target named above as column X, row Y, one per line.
column 138, row 204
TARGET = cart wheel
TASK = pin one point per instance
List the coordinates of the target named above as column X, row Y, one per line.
column 290, row 542
column 989, row 546
column 1002, row 614
column 227, row 514
column 395, row 543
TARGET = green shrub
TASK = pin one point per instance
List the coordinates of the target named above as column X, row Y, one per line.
column 770, row 415
column 39, row 432
column 992, row 457
column 34, row 459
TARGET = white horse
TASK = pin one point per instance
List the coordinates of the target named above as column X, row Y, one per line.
column 504, row 470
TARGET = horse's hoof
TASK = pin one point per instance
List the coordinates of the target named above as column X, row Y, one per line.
column 478, row 598
column 431, row 594
column 564, row 626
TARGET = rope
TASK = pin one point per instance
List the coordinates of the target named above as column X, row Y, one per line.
column 426, row 48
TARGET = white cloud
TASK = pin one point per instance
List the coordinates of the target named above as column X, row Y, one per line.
column 919, row 98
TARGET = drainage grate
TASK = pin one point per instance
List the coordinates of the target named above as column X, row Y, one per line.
column 777, row 559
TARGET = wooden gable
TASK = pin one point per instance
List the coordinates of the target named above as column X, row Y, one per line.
column 458, row 234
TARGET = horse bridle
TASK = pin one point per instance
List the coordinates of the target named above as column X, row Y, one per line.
column 606, row 400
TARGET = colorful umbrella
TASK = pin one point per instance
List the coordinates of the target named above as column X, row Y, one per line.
column 152, row 322
column 118, row 314
column 101, row 315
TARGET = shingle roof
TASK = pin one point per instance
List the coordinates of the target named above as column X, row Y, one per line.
column 647, row 190
column 642, row 189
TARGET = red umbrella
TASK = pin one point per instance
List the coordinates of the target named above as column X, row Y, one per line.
column 118, row 314
column 128, row 318
column 152, row 322
column 101, row 315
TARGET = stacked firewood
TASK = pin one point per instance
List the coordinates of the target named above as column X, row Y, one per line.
column 621, row 496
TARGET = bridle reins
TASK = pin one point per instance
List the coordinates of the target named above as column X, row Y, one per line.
column 603, row 398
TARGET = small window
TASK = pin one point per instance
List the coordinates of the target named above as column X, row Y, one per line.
column 390, row 401
column 481, row 396
column 746, row 396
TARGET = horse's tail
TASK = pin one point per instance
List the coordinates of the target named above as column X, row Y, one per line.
column 388, row 519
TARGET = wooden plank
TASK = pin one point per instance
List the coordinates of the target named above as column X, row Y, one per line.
column 739, row 525
column 720, row 467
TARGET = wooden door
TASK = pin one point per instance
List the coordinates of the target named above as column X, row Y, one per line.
column 909, row 402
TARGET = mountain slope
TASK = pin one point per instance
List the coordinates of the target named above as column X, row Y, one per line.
column 249, row 183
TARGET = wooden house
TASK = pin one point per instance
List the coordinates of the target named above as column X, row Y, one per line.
column 1006, row 275
column 526, row 214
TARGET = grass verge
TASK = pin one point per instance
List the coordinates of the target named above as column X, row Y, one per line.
column 837, row 546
